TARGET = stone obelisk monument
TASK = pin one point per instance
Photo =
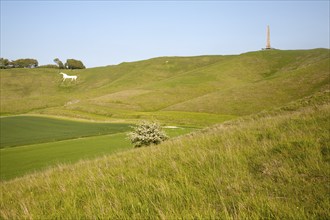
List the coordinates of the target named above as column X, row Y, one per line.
column 268, row 39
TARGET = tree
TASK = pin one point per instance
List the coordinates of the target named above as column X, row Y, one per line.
column 59, row 63
column 4, row 63
column 147, row 133
column 25, row 63
column 74, row 64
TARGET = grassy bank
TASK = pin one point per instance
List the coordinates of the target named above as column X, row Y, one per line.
column 269, row 166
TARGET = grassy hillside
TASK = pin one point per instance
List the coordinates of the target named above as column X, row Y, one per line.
column 274, row 165
column 161, row 88
column 270, row 160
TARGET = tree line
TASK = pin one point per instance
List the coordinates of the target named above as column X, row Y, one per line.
column 33, row 63
column 20, row 63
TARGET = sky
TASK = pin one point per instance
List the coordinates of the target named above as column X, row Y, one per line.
column 101, row 33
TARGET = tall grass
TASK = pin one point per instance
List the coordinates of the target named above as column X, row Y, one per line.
column 271, row 166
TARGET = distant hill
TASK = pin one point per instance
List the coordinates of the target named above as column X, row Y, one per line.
column 233, row 85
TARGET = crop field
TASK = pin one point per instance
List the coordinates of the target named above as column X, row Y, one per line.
column 17, row 161
column 27, row 131
column 24, row 130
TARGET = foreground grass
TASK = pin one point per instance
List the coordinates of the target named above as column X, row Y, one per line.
column 274, row 166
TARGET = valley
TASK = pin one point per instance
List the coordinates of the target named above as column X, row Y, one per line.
column 249, row 138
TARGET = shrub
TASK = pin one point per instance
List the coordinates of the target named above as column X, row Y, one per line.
column 147, row 133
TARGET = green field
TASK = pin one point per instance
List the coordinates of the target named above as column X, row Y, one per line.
column 24, row 130
column 18, row 161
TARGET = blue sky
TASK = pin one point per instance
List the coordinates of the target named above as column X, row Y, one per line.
column 110, row 32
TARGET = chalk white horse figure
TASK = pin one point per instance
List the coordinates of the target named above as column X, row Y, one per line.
column 66, row 76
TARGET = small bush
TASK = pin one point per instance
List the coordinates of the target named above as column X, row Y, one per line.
column 147, row 133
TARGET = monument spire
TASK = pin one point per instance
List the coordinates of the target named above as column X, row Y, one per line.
column 268, row 39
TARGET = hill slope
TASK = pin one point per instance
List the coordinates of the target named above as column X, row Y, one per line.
column 271, row 165
column 160, row 87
